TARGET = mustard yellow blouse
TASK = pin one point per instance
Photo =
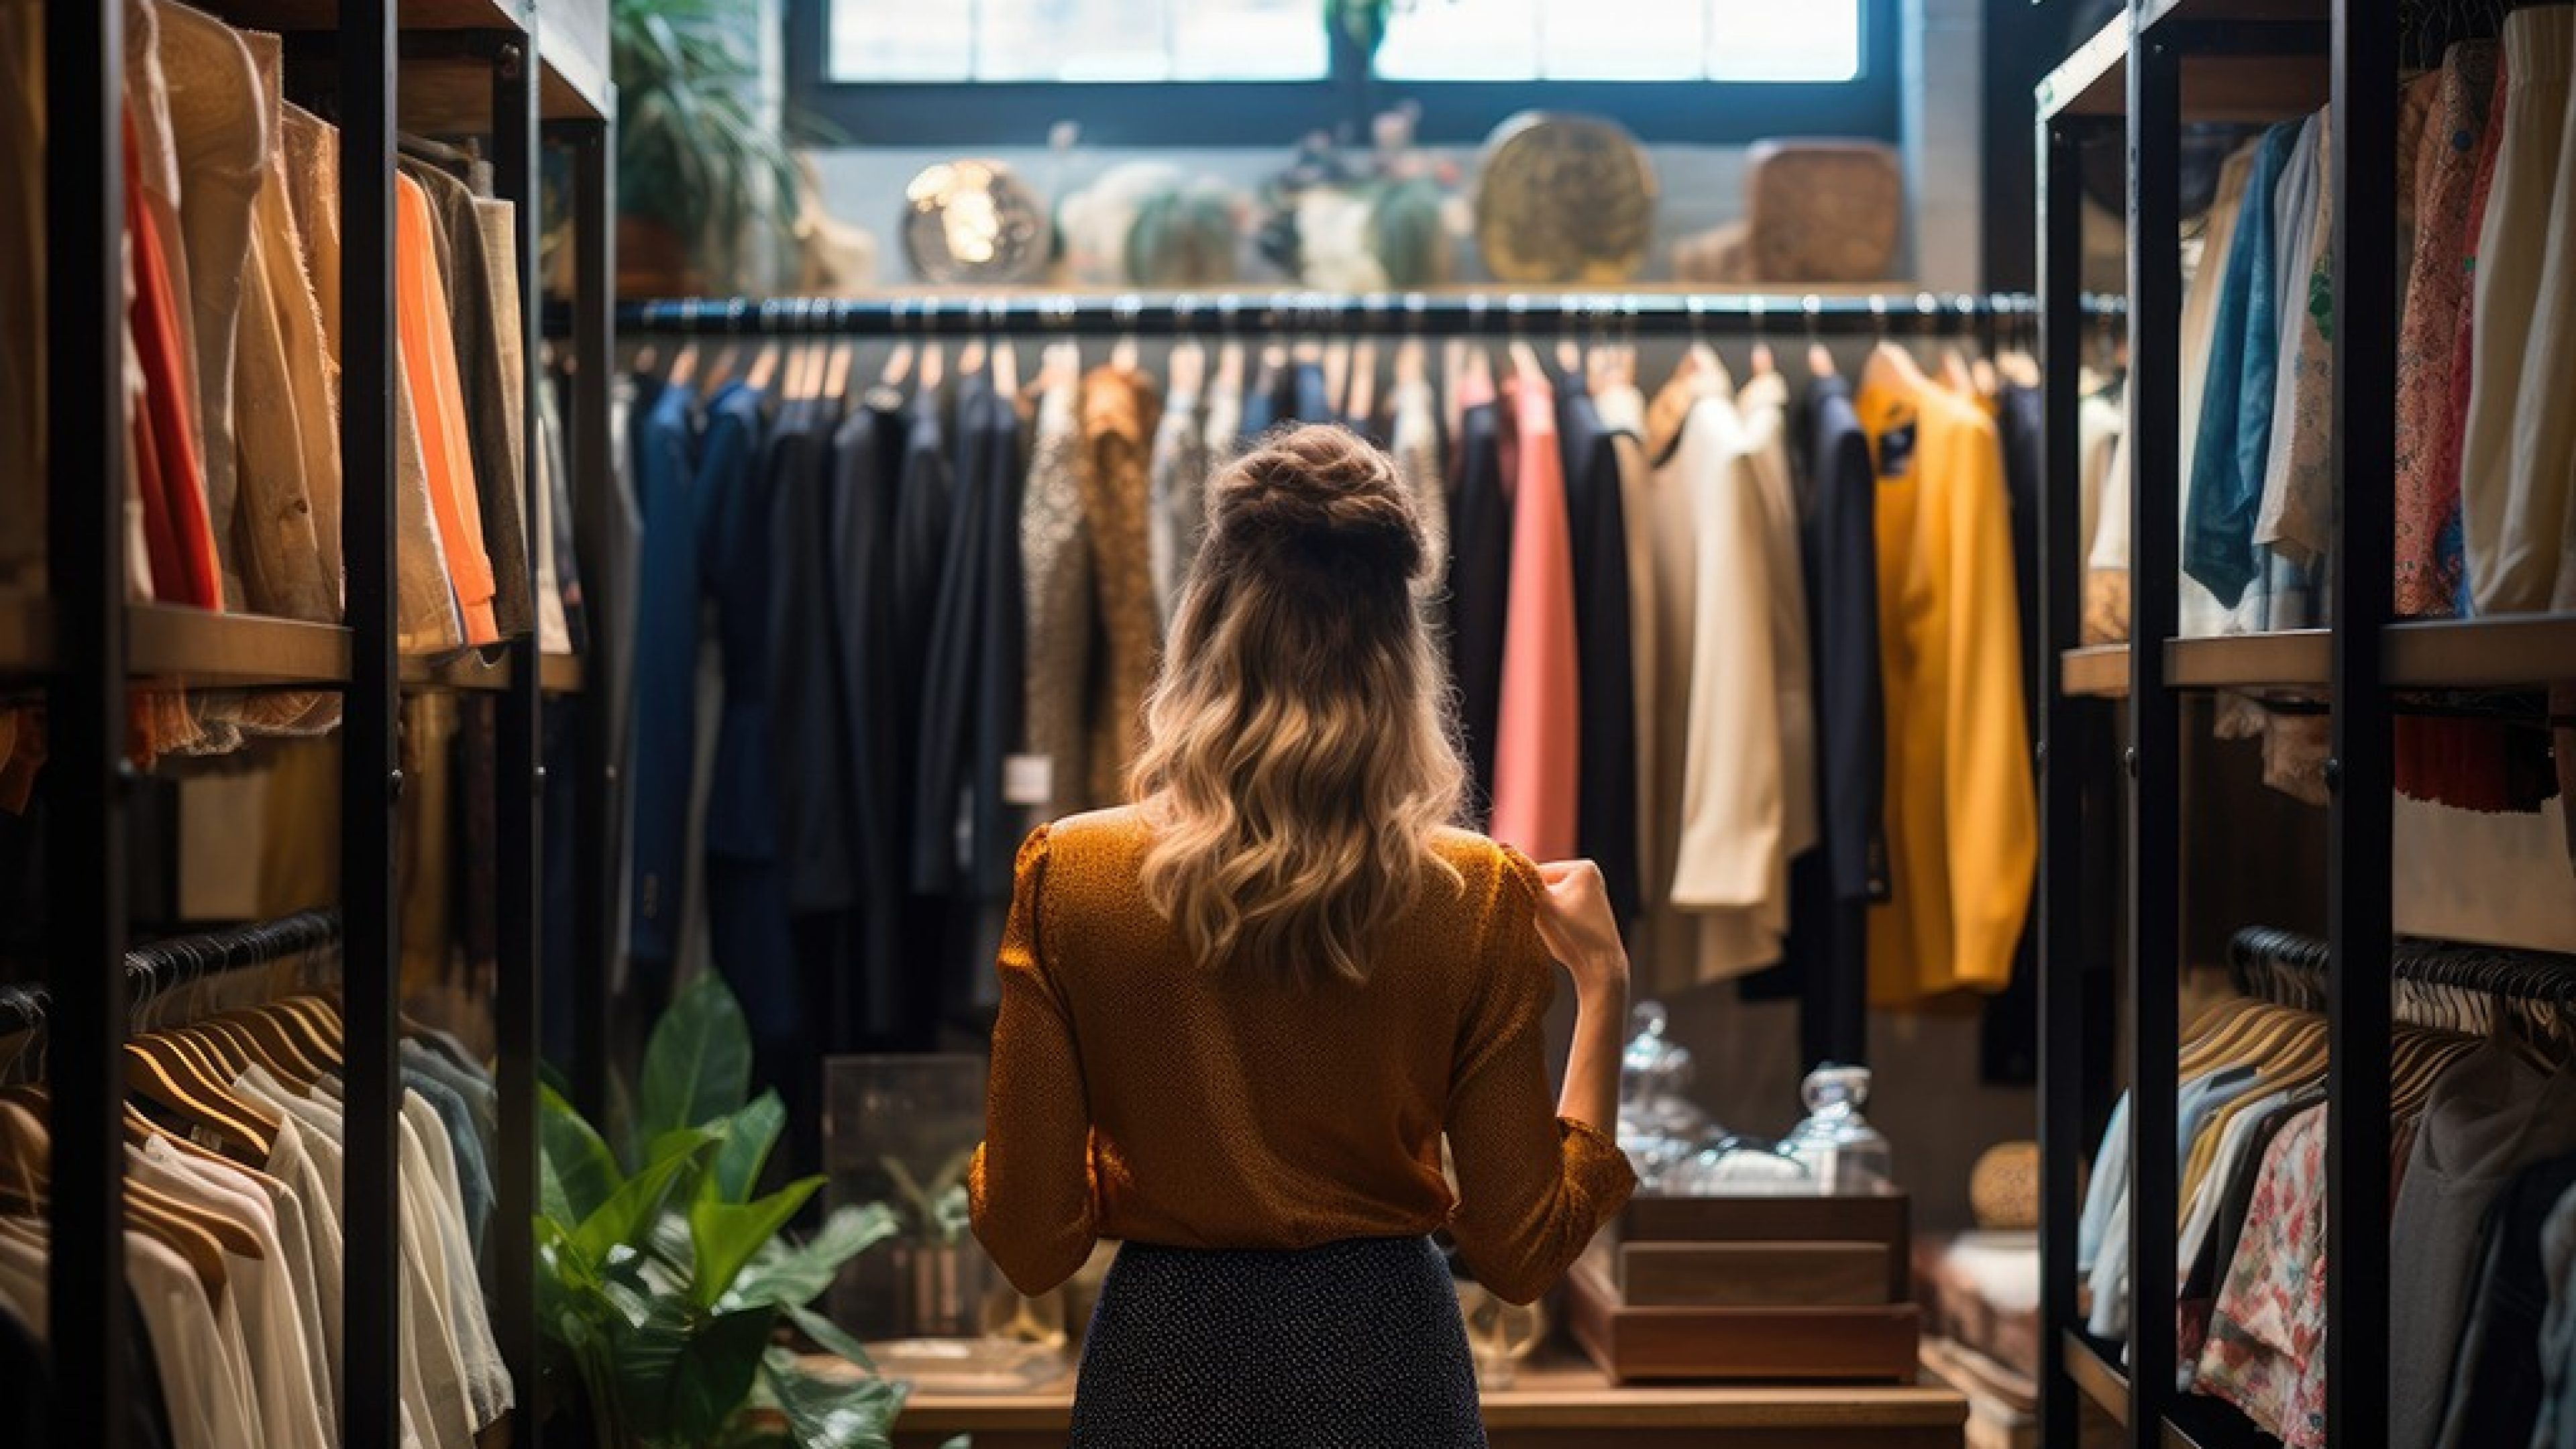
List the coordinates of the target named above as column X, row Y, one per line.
column 1138, row 1096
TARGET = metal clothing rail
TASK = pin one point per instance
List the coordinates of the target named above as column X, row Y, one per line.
column 1787, row 314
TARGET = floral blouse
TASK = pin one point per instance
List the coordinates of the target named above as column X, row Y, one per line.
column 2265, row 1352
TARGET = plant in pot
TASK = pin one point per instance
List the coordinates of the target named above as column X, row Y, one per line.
column 664, row 1283
column 704, row 179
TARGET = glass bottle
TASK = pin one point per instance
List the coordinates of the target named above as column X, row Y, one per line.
column 1846, row 1154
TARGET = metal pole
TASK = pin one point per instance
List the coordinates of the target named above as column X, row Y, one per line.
column 2155, row 794
column 594, row 467
column 2364, row 129
column 520, row 774
column 2064, row 748
column 86, row 779
column 371, row 780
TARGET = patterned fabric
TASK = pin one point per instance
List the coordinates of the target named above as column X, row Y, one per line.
column 1055, row 562
column 1120, row 411
column 2450, row 559
column 1354, row 1344
column 1179, row 474
column 2267, row 1335
column 2297, row 517
column 2449, row 163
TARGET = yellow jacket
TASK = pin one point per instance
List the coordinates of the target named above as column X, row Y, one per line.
column 1962, row 823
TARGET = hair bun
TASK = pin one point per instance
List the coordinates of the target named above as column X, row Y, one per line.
column 1319, row 500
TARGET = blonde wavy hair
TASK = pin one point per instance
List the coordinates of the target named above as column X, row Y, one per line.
column 1299, row 758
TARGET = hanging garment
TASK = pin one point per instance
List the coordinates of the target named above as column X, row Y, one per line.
column 2282, row 592
column 1413, row 436
column 1729, row 866
column 312, row 149
column 1961, row 819
column 995, row 814
column 478, row 390
column 2297, row 515
column 1605, row 829
column 669, row 590
column 2102, row 453
column 2488, row 1118
column 2450, row 552
column 808, row 703
column 428, row 617
column 429, row 375
column 2518, row 443
column 923, row 511
column 219, row 138
column 957, row 813
column 2438, row 300
column 1538, row 742
column 2234, row 440
column 1179, row 473
column 748, row 902
column 1119, row 412
column 183, row 566
column 2494, row 1391
column 1055, row 564
column 1622, row 412
column 1832, row 887
column 1479, row 583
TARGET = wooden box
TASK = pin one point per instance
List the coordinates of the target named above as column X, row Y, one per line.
column 1750, row 1275
column 1861, row 1343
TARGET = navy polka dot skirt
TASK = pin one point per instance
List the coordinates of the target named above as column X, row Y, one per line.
column 1353, row 1345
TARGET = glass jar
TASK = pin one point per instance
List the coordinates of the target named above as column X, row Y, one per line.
column 1846, row 1153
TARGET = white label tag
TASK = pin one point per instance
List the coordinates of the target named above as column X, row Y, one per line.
column 1028, row 779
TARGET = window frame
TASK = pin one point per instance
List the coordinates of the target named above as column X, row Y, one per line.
column 951, row 114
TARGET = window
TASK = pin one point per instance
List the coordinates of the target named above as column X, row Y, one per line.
column 1264, row 72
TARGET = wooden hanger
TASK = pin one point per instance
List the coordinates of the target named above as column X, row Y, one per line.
column 1006, row 368
column 1362, row 405
column 1453, row 372
column 1337, row 373
column 1187, row 369
column 1955, row 375
column 1525, row 368
column 764, row 367
column 934, row 367
column 1820, row 361
column 898, row 364
column 1229, row 366
column 1123, row 355
column 1412, row 362
column 685, row 365
column 836, row 382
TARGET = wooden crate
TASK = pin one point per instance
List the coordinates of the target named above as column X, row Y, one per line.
column 1750, row 1275
column 1879, row 1221
column 1858, row 1343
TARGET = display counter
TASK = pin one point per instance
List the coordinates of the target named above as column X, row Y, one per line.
column 1559, row 1402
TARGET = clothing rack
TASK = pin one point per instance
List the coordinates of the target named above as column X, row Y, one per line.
column 2113, row 732
column 1660, row 314
column 2275, row 965
column 161, row 968
column 455, row 67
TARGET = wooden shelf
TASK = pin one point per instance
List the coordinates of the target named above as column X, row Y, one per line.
column 168, row 644
column 2238, row 85
column 2500, row 652
column 453, row 93
column 2097, row 671
column 2101, row 1380
column 572, row 41
column 413, row 14
column 2198, row 1422
column 2298, row 659
column 2191, row 11
column 556, row 673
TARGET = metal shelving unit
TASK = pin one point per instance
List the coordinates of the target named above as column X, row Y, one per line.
column 2136, row 84
column 486, row 66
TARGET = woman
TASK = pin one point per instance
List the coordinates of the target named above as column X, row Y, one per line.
column 1238, row 1016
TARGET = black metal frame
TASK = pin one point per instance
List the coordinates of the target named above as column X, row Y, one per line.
column 1275, row 113
column 102, row 649
column 2362, row 43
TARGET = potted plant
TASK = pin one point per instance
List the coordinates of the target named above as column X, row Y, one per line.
column 703, row 177
column 664, row 1284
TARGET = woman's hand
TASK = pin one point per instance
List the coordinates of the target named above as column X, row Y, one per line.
column 1579, row 928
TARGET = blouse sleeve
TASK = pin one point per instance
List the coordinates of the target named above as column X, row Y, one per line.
column 1030, row 1187
column 1532, row 1187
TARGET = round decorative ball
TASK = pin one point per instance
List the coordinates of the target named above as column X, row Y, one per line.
column 2003, row 1188
column 1564, row 201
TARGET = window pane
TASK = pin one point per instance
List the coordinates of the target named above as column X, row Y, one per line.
column 1768, row 40
column 1248, row 40
column 872, row 40
column 1623, row 39
column 1069, row 40
column 1462, row 40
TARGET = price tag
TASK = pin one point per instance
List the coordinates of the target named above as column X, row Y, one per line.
column 1028, row 779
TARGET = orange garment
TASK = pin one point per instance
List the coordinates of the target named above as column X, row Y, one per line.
column 1537, row 738
column 178, row 537
column 1139, row 1096
column 438, row 401
column 1962, row 823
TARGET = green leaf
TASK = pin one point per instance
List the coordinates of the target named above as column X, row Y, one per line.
column 573, row 1306
column 725, row 1235
column 680, row 1375
column 697, row 1067
column 791, row 1277
column 832, row 1412
column 832, row 1337
column 578, row 1172
column 748, row 1137
column 622, row 1220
